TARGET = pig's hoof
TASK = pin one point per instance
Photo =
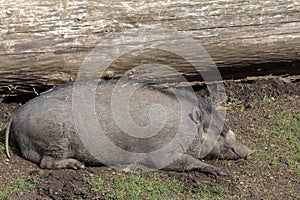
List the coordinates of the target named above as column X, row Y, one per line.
column 135, row 168
column 69, row 163
column 215, row 171
column 221, row 173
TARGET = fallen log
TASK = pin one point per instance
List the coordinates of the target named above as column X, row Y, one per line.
column 43, row 43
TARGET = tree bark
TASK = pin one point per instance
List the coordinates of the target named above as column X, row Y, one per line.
column 43, row 43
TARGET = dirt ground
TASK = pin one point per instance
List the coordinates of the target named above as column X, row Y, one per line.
column 255, row 113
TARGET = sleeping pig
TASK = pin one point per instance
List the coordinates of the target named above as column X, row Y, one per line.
column 118, row 124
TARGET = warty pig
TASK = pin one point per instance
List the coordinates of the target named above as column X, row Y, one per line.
column 56, row 132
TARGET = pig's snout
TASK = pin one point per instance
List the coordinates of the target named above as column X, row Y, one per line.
column 229, row 147
column 242, row 150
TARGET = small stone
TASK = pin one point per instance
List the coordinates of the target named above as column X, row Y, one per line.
column 50, row 191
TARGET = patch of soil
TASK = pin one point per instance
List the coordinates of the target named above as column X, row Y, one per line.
column 70, row 184
column 246, row 90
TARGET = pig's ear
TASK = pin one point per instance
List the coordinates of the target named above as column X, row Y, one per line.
column 196, row 115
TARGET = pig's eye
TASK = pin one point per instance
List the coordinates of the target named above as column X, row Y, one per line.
column 223, row 133
column 225, row 130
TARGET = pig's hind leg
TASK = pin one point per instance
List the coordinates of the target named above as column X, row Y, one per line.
column 58, row 157
column 52, row 163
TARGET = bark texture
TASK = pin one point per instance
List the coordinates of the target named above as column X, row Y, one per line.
column 43, row 43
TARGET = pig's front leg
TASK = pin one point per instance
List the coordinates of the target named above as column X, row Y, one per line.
column 187, row 162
